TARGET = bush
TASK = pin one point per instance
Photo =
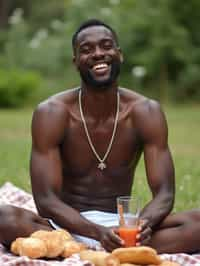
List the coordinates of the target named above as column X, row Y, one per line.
column 17, row 86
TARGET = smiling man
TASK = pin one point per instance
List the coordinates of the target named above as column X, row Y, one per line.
column 101, row 70
column 86, row 144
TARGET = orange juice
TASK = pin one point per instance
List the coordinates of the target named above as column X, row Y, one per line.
column 128, row 234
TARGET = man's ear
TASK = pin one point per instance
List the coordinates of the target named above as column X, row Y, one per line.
column 74, row 59
column 74, row 62
column 121, row 57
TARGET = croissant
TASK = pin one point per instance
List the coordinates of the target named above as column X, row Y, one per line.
column 54, row 241
column 42, row 234
column 30, row 247
column 49, row 244
column 72, row 247
column 16, row 244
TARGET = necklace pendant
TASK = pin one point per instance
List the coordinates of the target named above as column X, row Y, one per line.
column 102, row 166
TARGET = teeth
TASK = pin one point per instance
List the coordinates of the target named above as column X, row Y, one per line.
column 99, row 66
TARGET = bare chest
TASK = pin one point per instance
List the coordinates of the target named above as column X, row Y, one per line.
column 82, row 153
column 83, row 181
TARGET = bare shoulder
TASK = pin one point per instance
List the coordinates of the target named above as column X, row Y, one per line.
column 147, row 114
column 50, row 116
column 56, row 106
column 139, row 104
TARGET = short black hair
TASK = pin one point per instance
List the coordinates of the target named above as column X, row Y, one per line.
column 90, row 23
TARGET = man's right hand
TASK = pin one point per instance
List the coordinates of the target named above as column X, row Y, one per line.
column 109, row 238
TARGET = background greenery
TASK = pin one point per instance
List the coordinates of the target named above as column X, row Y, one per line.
column 160, row 40
column 161, row 44
column 184, row 132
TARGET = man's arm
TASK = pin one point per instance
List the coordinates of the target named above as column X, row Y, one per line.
column 48, row 130
column 158, row 164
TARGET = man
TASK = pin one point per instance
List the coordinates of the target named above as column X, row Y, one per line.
column 86, row 143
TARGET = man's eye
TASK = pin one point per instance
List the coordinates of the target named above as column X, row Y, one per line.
column 107, row 45
column 85, row 49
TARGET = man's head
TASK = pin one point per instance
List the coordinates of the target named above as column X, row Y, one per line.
column 92, row 23
column 97, row 55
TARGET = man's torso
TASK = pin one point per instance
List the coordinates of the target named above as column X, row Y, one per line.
column 84, row 185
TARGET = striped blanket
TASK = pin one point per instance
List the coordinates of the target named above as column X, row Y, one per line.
column 10, row 194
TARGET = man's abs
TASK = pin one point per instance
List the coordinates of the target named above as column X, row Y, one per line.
column 97, row 190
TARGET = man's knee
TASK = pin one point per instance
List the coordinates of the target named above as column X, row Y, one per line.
column 179, row 232
column 7, row 214
column 18, row 222
column 192, row 223
column 194, row 215
column 14, row 222
column 13, row 214
column 189, row 218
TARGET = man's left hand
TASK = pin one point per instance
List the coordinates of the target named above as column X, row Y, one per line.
column 145, row 232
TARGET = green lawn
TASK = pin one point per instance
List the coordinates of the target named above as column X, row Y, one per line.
column 15, row 143
column 184, row 141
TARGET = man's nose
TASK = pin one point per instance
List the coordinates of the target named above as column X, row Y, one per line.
column 98, row 52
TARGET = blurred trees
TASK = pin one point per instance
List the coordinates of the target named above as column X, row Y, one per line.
column 160, row 40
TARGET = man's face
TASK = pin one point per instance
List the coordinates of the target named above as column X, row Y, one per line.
column 97, row 57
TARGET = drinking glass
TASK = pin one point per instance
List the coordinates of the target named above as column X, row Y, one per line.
column 128, row 209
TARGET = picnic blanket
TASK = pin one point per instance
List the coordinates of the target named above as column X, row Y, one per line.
column 10, row 194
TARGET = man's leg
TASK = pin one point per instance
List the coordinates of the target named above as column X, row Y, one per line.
column 18, row 222
column 178, row 233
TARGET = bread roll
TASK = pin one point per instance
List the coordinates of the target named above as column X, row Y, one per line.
column 33, row 248
column 99, row 258
column 137, row 255
column 96, row 257
column 111, row 260
column 131, row 264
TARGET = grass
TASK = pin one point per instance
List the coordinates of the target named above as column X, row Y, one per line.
column 15, row 143
column 184, row 141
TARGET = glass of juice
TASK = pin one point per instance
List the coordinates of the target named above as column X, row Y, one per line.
column 128, row 213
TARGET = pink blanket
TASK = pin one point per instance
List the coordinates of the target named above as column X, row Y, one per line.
column 9, row 194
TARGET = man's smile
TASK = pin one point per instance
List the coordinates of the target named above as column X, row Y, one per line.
column 100, row 68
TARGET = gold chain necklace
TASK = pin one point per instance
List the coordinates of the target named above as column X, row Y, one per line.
column 101, row 164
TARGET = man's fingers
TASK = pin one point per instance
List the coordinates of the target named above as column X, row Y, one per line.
column 144, row 234
column 111, row 240
column 110, row 243
column 110, row 246
column 146, row 240
column 143, row 223
column 115, row 230
column 114, row 237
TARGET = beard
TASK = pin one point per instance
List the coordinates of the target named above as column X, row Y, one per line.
column 89, row 80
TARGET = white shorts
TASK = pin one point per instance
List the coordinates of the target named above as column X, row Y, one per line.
column 102, row 218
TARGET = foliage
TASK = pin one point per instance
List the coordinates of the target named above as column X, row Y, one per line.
column 17, row 86
column 159, row 37
column 46, row 50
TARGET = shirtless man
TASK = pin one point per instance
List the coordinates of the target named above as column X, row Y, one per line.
column 86, row 143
